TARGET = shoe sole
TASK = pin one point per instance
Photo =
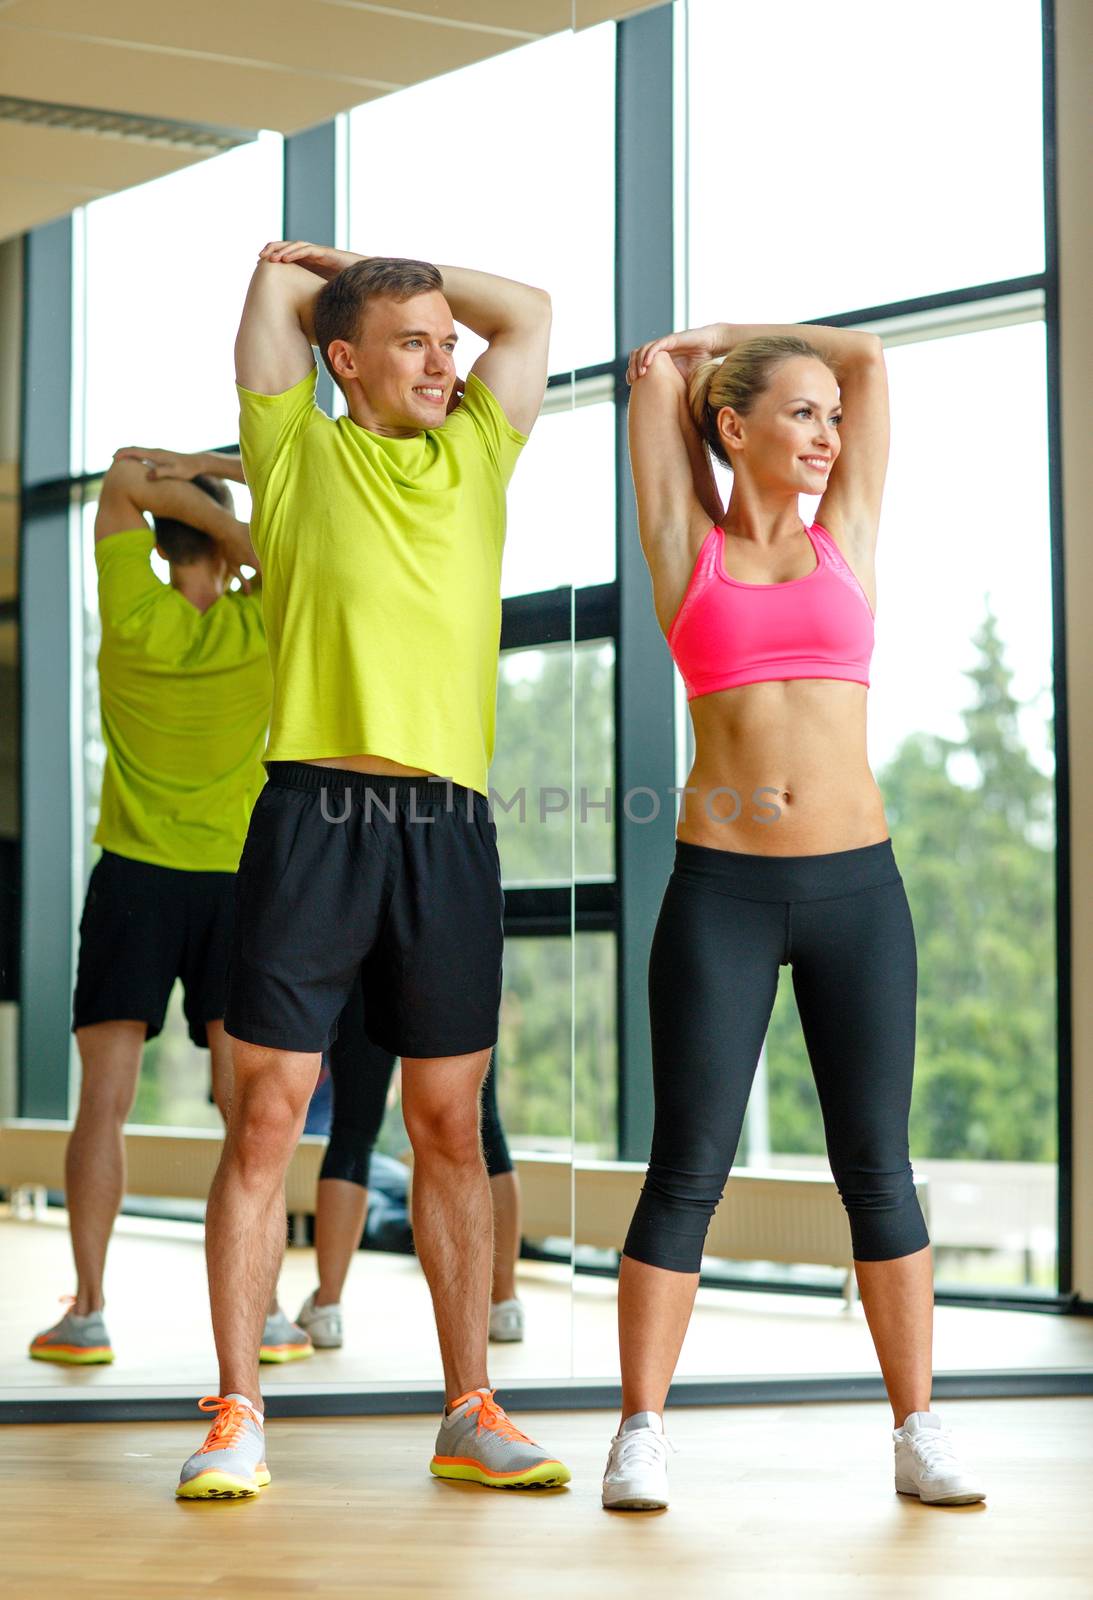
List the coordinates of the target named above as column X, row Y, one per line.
column 636, row 1503
column 96, row 1356
column 507, row 1338
column 222, row 1486
column 548, row 1475
column 285, row 1352
column 966, row 1499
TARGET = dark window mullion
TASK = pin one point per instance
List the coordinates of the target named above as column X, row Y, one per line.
column 536, row 910
column 530, row 620
column 932, row 302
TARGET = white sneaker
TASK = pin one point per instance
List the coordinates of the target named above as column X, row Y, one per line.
column 636, row 1476
column 507, row 1322
column 323, row 1323
column 927, row 1464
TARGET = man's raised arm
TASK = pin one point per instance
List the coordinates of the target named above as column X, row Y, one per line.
column 515, row 320
column 273, row 346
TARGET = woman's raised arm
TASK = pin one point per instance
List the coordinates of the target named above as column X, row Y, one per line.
column 851, row 504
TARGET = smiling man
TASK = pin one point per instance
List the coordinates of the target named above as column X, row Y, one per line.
column 380, row 536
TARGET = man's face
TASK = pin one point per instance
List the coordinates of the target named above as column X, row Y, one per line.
column 403, row 361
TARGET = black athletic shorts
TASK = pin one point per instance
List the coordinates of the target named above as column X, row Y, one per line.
column 142, row 927
column 392, row 882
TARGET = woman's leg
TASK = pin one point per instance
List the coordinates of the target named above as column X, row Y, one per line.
column 713, row 975
column 505, row 1199
column 360, row 1074
column 898, row 1300
column 855, row 979
column 341, row 1208
column 504, row 1193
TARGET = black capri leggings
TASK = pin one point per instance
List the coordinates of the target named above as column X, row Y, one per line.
column 360, row 1074
column 728, row 921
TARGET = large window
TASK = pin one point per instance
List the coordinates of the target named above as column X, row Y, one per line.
column 529, row 777
column 525, row 190
column 961, row 741
column 166, row 270
column 562, row 498
column 859, row 155
column 844, row 185
column 812, row 179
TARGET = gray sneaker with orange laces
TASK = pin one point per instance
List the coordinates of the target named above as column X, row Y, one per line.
column 231, row 1464
column 74, row 1341
column 284, row 1340
column 480, row 1444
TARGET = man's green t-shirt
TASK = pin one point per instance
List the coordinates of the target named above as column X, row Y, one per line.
column 381, row 572
column 185, row 701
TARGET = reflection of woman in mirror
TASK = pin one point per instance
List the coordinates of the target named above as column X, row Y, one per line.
column 783, row 854
column 362, row 1075
column 185, row 693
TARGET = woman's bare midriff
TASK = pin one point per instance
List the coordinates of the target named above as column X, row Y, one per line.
column 781, row 769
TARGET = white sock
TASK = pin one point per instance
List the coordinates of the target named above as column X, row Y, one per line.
column 246, row 1402
column 643, row 1419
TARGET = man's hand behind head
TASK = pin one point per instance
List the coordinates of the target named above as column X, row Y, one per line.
column 321, row 259
column 162, row 463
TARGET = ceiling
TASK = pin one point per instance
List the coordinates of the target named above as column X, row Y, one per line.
column 199, row 65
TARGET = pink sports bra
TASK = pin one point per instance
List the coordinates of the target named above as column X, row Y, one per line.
column 727, row 633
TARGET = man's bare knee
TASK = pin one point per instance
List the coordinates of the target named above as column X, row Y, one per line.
column 269, row 1097
column 109, row 1101
column 441, row 1106
column 261, row 1141
column 107, row 1092
column 448, row 1142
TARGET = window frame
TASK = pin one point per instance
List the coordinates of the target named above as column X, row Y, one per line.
column 649, row 264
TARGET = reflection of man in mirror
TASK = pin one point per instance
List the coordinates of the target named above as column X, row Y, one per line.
column 184, row 687
column 380, row 536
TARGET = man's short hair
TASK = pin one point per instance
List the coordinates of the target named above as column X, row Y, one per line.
column 183, row 545
column 340, row 306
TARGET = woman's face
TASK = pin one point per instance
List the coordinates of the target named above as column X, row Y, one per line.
column 790, row 437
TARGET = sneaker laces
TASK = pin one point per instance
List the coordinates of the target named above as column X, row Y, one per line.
column 639, row 1448
column 228, row 1427
column 496, row 1420
column 934, row 1448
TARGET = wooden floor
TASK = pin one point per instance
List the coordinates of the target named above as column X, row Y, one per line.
column 775, row 1502
column 158, row 1318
